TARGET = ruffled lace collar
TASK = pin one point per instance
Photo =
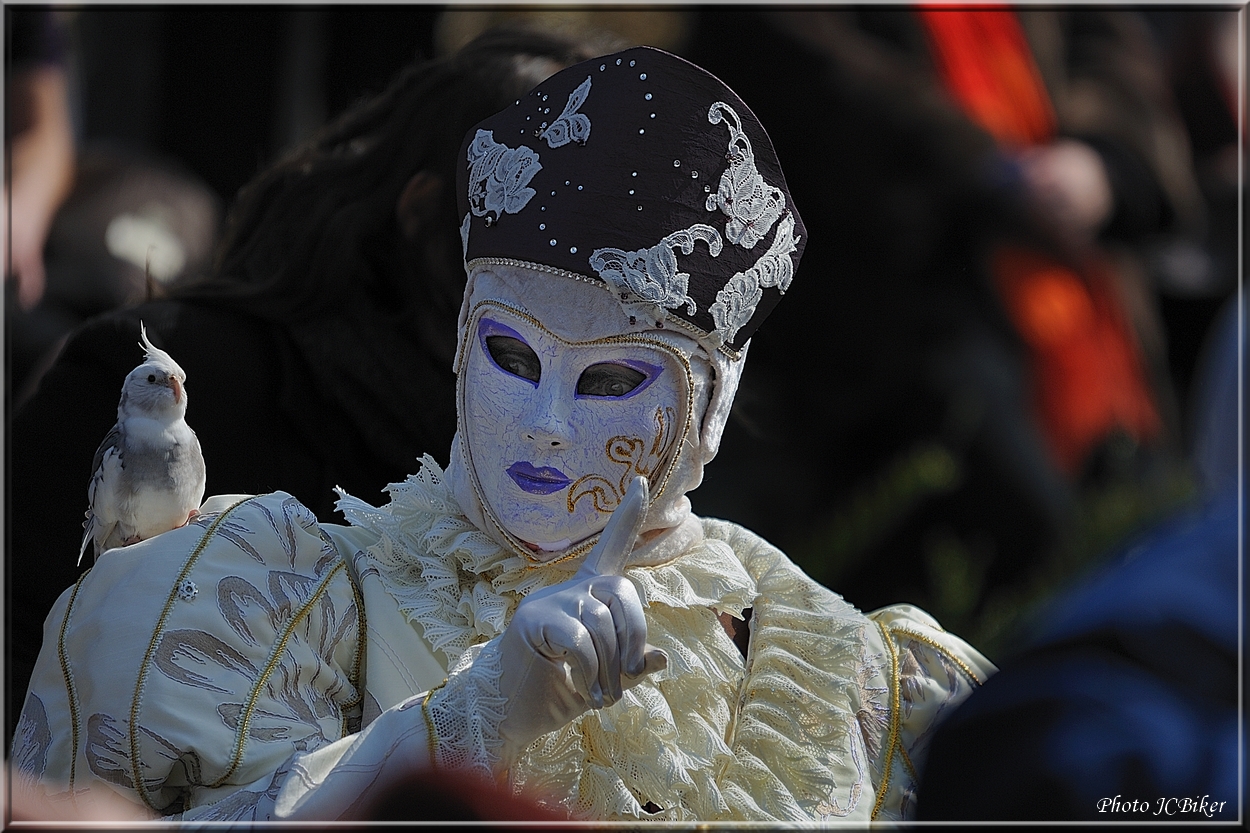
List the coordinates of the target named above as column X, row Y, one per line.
column 664, row 751
column 461, row 586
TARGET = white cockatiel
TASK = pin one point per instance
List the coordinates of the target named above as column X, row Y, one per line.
column 148, row 474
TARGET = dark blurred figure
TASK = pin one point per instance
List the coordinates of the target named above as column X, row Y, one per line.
column 320, row 354
column 978, row 344
column 39, row 144
column 97, row 223
column 1129, row 690
column 225, row 90
column 39, row 157
column 173, row 110
column 1195, row 274
column 132, row 228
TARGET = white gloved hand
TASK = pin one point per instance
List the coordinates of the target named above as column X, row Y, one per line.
column 579, row 644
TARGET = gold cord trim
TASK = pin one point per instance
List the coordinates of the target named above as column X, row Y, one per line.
column 943, row 650
column 911, row 768
column 139, row 783
column 278, row 649
column 884, row 787
column 71, row 690
column 431, row 735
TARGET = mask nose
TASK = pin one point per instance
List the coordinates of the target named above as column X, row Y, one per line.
column 547, row 424
column 546, row 431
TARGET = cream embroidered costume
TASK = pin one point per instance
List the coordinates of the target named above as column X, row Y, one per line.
column 547, row 611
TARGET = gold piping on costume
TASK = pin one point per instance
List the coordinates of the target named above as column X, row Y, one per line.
column 71, row 691
column 278, row 649
column 884, row 787
column 943, row 650
column 431, row 735
column 139, row 783
column 911, row 768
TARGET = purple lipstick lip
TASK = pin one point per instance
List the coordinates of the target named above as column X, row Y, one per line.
column 537, row 481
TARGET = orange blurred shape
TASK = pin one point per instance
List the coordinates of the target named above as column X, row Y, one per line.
column 986, row 64
column 1051, row 306
column 1087, row 372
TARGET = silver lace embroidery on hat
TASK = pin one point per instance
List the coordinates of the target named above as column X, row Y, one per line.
column 776, row 267
column 737, row 300
column 750, row 203
column 464, row 236
column 499, row 176
column 735, row 304
column 649, row 278
column 571, row 126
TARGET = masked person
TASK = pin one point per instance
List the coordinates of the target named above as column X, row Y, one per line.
column 547, row 611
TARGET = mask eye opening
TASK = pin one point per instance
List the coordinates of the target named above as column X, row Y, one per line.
column 616, row 380
column 508, row 351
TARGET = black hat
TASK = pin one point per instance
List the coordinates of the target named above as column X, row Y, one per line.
column 644, row 171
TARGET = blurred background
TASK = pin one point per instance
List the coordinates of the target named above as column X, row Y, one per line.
column 1022, row 224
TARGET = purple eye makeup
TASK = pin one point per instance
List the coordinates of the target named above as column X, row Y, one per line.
column 508, row 351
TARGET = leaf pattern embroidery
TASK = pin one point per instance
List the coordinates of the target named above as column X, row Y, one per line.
column 234, row 597
column 873, row 716
column 499, row 176
column 750, row 203
column 31, row 740
column 106, row 757
column 278, row 660
column 570, row 126
column 737, row 300
column 649, row 278
column 180, row 652
column 915, row 666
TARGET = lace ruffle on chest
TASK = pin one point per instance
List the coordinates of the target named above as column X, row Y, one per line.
column 711, row 737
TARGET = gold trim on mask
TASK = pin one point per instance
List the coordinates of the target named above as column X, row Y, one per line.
column 657, row 489
column 699, row 334
column 629, row 452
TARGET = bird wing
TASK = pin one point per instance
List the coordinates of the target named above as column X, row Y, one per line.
column 102, row 490
column 198, row 472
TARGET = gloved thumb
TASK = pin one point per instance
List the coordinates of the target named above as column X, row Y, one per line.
column 653, row 659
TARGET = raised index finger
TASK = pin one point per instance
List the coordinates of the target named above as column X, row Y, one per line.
column 608, row 556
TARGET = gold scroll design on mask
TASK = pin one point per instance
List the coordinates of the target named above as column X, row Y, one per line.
column 637, row 458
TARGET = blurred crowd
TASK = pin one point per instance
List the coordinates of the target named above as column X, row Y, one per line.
column 1002, row 364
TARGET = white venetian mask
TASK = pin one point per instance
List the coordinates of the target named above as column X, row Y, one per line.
column 555, row 430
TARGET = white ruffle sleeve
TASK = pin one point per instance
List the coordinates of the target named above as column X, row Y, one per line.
column 836, row 707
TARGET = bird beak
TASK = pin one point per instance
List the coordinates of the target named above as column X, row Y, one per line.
column 177, row 386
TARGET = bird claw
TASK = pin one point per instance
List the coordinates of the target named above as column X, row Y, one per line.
column 133, row 539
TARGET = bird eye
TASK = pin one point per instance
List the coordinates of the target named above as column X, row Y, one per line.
column 151, row 377
column 515, row 357
column 609, row 379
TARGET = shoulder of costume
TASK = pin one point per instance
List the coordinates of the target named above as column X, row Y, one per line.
column 234, row 617
column 756, row 554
